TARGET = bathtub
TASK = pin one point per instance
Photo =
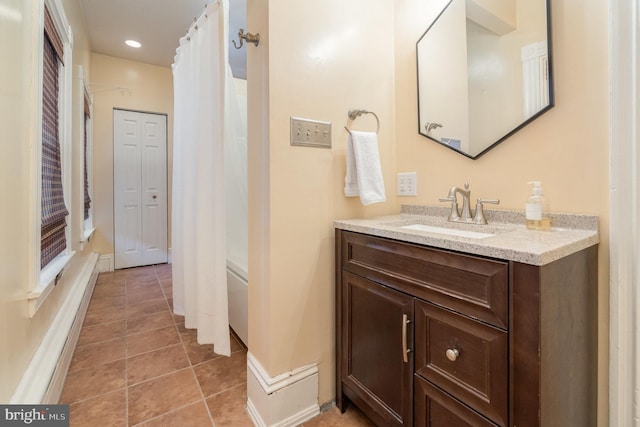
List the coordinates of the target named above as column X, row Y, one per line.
column 237, row 288
column 236, row 215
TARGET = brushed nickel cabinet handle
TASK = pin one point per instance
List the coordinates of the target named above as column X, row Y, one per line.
column 452, row 354
column 405, row 350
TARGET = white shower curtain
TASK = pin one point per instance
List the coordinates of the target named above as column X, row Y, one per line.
column 202, row 86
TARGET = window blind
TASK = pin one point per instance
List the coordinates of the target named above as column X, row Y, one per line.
column 54, row 211
column 87, row 199
column 54, row 38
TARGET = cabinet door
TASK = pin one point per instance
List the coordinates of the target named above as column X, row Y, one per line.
column 376, row 332
column 434, row 408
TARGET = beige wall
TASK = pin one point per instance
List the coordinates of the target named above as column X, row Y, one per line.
column 20, row 336
column 318, row 66
column 129, row 85
column 567, row 148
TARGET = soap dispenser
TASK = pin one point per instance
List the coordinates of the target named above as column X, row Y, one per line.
column 537, row 217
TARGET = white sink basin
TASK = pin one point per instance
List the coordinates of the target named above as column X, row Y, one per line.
column 448, row 231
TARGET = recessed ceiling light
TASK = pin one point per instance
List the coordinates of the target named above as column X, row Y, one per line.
column 133, row 43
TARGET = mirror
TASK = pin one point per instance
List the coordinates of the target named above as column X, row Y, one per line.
column 484, row 72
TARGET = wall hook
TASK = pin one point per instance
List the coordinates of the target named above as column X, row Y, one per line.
column 250, row 38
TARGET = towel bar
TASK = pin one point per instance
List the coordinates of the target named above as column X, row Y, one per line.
column 354, row 114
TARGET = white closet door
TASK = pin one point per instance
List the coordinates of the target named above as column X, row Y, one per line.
column 140, row 188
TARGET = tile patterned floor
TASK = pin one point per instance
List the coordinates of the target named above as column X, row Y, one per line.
column 136, row 364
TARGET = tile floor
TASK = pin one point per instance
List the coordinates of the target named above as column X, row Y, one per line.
column 135, row 364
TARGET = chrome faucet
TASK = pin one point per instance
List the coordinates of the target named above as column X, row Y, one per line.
column 465, row 215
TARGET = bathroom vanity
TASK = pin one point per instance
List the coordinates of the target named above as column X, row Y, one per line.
column 453, row 329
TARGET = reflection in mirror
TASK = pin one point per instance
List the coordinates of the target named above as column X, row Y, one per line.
column 483, row 72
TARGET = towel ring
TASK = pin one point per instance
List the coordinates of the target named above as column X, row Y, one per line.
column 354, row 114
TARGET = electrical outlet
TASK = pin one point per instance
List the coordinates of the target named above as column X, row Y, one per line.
column 407, row 184
column 310, row 133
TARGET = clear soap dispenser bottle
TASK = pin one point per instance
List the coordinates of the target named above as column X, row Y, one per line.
column 537, row 217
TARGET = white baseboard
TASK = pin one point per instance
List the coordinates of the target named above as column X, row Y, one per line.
column 286, row 400
column 105, row 263
column 44, row 378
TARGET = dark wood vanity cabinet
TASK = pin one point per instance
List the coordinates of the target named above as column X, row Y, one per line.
column 431, row 337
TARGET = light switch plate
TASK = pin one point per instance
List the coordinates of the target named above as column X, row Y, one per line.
column 310, row 133
column 407, row 184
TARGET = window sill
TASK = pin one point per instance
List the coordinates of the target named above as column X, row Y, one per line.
column 49, row 276
column 86, row 236
column 88, row 232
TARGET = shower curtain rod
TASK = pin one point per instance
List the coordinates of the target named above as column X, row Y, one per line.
column 194, row 24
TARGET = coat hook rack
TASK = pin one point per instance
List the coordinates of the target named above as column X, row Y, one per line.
column 250, row 38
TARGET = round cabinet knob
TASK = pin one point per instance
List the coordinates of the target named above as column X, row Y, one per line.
column 452, row 354
column 154, row 196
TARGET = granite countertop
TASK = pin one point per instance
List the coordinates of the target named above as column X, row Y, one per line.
column 509, row 238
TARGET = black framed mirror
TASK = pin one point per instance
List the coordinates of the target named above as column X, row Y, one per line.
column 484, row 72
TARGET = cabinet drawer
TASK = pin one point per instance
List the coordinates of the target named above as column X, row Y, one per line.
column 434, row 408
column 474, row 286
column 465, row 358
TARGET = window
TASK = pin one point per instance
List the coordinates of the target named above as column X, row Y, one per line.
column 54, row 211
column 52, row 165
column 87, row 118
column 84, row 223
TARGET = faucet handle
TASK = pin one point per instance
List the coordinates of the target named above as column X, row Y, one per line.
column 479, row 217
column 492, row 201
column 454, row 215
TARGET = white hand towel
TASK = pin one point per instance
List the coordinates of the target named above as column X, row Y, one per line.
column 364, row 173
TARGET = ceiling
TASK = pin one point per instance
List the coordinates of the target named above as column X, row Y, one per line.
column 158, row 25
